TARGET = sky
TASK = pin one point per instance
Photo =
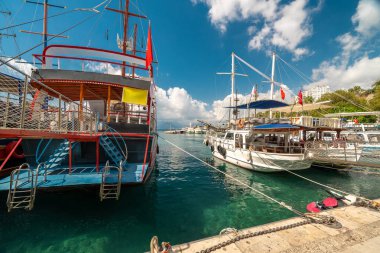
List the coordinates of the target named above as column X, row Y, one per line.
column 333, row 43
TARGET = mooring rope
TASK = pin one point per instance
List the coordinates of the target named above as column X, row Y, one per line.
column 237, row 180
column 313, row 181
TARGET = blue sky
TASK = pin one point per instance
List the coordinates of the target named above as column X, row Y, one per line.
column 332, row 42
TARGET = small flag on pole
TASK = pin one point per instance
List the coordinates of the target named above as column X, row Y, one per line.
column 282, row 93
column 135, row 96
column 300, row 101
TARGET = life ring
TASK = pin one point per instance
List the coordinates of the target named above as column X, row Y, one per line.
column 241, row 123
column 17, row 154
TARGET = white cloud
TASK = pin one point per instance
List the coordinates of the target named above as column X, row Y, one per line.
column 363, row 72
column 285, row 26
column 19, row 64
column 176, row 105
column 103, row 68
column 222, row 12
column 367, row 17
column 351, row 67
column 292, row 27
column 349, row 42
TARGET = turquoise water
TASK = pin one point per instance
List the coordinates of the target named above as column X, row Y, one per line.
column 183, row 201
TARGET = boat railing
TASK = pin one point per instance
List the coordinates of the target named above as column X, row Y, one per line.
column 262, row 147
column 116, row 136
column 277, row 148
column 23, row 106
column 344, row 151
column 309, row 121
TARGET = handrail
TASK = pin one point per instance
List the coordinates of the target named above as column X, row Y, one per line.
column 112, row 131
column 43, row 151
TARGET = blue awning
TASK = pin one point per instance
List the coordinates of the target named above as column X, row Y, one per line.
column 276, row 126
column 261, row 104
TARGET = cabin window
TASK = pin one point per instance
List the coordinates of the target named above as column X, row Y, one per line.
column 229, row 136
column 238, row 141
column 374, row 138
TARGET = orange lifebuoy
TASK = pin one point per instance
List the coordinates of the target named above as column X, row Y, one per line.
column 241, row 123
column 18, row 154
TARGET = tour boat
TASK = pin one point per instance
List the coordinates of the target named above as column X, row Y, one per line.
column 80, row 127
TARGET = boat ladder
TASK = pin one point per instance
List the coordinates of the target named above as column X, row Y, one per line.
column 59, row 154
column 113, row 148
column 111, row 182
column 22, row 188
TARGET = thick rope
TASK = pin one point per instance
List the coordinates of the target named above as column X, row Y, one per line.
column 310, row 180
column 237, row 180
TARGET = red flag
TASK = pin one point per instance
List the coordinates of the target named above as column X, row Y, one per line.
column 149, row 50
column 300, row 98
column 282, row 93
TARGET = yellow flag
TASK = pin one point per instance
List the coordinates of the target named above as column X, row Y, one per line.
column 135, row 96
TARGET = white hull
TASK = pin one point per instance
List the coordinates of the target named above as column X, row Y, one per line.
column 264, row 162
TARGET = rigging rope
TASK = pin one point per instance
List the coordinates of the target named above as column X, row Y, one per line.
column 309, row 81
column 52, row 37
column 237, row 180
column 310, row 180
column 36, row 20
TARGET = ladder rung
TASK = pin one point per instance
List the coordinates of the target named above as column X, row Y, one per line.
column 18, row 191
column 21, row 197
column 19, row 202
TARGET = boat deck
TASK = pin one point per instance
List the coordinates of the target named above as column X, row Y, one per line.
column 79, row 176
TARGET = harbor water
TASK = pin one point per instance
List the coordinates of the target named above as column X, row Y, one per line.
column 183, row 201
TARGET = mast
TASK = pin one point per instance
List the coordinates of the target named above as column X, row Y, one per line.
column 126, row 15
column 272, row 82
column 134, row 47
column 44, row 30
column 125, row 34
column 232, row 81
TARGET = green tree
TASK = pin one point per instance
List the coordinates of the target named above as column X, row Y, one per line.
column 375, row 101
column 308, row 100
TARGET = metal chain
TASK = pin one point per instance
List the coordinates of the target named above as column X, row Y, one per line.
column 309, row 219
column 253, row 234
column 367, row 203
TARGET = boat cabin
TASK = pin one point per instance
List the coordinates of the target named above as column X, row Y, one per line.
column 271, row 138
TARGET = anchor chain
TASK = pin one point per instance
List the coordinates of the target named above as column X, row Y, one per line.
column 367, row 203
column 309, row 218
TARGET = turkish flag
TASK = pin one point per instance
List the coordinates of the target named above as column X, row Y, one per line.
column 149, row 50
column 300, row 98
column 282, row 93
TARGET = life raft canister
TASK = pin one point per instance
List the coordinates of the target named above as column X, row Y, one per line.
column 18, row 153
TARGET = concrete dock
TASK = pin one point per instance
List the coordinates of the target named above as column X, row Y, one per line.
column 360, row 233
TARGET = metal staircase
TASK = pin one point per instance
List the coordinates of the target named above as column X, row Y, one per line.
column 58, row 155
column 113, row 148
column 111, row 182
column 22, row 188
